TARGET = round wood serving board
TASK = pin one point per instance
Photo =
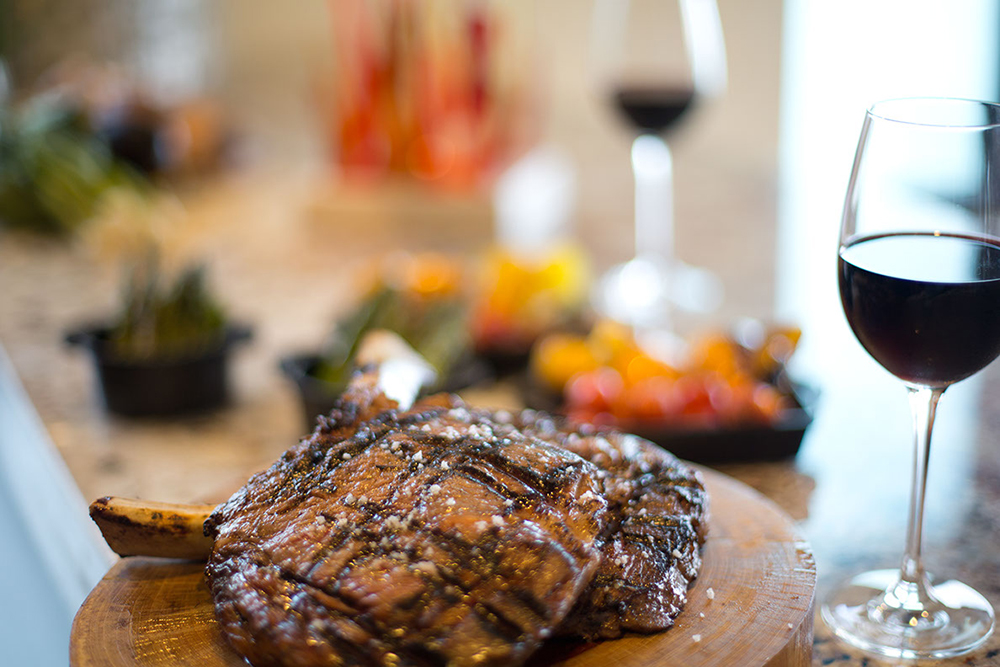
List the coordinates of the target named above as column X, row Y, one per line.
column 155, row 612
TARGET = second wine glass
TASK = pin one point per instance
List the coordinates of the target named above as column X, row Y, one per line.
column 655, row 60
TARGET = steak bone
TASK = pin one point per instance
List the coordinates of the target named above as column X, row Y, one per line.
column 144, row 528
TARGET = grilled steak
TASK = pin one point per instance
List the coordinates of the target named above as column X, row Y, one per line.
column 656, row 525
column 444, row 535
column 432, row 536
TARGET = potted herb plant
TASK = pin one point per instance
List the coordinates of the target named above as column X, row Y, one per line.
column 166, row 351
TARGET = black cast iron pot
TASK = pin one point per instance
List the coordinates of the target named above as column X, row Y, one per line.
column 160, row 387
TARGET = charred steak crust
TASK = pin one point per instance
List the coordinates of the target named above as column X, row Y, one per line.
column 651, row 552
column 438, row 535
column 444, row 535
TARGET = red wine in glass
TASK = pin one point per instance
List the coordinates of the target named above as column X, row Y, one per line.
column 653, row 108
column 926, row 306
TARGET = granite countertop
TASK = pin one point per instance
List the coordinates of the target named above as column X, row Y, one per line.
column 289, row 275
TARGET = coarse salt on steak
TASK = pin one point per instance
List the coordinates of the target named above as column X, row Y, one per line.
column 432, row 536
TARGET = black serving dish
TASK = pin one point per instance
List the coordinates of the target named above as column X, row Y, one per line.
column 735, row 443
column 317, row 396
column 505, row 362
column 722, row 443
column 160, row 387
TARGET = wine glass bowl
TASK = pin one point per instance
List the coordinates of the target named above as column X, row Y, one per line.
column 652, row 108
column 919, row 277
column 928, row 325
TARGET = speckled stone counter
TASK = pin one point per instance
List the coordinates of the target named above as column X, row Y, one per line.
column 847, row 489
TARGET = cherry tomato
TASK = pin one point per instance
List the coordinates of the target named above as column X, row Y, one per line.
column 597, row 390
column 695, row 401
column 650, row 400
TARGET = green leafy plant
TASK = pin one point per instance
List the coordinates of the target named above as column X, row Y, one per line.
column 164, row 319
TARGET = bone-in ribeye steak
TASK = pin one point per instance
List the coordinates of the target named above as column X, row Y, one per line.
column 445, row 535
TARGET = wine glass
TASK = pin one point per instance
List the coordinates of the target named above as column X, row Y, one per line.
column 919, row 274
column 655, row 60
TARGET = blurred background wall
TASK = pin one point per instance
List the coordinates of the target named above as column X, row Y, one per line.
column 269, row 62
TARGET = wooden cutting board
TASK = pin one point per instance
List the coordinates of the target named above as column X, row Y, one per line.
column 156, row 612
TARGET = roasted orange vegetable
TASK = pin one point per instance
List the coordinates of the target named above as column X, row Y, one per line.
column 607, row 378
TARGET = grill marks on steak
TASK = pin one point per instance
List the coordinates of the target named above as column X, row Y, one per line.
column 656, row 525
column 444, row 535
column 437, row 535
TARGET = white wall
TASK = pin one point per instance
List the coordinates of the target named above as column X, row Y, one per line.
column 839, row 58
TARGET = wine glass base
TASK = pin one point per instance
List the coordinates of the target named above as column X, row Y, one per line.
column 955, row 621
column 643, row 291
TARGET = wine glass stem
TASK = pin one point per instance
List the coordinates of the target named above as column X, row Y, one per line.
column 923, row 404
column 652, row 167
